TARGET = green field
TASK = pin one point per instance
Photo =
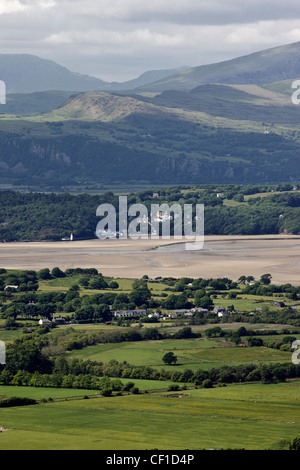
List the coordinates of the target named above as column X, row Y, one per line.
column 252, row 417
column 192, row 354
column 40, row 393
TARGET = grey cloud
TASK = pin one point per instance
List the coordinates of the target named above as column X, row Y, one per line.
column 118, row 39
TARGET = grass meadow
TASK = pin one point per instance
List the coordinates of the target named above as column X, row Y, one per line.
column 248, row 416
column 193, row 354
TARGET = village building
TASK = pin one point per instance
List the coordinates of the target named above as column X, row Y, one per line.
column 44, row 321
column 199, row 310
column 129, row 313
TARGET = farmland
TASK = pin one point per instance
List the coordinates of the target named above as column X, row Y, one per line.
column 192, row 354
column 102, row 382
column 252, row 416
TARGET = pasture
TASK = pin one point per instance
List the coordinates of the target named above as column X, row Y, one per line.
column 193, row 354
column 248, row 416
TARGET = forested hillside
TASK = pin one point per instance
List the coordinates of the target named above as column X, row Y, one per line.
column 37, row 216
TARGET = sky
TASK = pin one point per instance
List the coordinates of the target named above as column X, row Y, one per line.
column 117, row 40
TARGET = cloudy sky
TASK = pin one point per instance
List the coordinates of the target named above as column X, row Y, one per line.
column 117, row 40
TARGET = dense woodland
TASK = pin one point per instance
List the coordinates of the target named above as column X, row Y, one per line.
column 36, row 216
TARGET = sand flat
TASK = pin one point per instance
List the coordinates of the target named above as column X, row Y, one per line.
column 221, row 256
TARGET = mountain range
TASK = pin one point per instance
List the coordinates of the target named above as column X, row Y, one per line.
column 271, row 65
column 25, row 73
column 231, row 122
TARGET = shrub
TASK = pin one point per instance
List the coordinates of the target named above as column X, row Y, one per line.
column 16, row 401
column 207, row 383
column 173, row 388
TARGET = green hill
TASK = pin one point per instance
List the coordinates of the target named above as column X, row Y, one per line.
column 271, row 65
column 218, row 133
column 284, row 87
column 234, row 102
column 247, row 135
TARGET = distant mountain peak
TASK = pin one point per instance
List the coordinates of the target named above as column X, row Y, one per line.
column 27, row 73
column 267, row 66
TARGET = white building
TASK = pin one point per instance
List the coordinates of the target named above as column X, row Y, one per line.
column 43, row 321
column 130, row 313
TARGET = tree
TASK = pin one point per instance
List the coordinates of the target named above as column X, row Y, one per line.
column 98, row 283
column 266, row 279
column 169, row 358
column 140, row 296
column 56, row 272
column 255, row 342
column 295, row 444
column 207, row 383
column 214, row 332
column 185, row 332
column 152, row 334
column 44, row 274
column 235, row 338
column 113, row 285
column 84, row 282
column 204, row 302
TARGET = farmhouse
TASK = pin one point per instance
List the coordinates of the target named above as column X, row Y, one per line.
column 43, row 321
column 221, row 311
column 199, row 310
column 129, row 313
column 182, row 311
column 154, row 315
column 58, row 320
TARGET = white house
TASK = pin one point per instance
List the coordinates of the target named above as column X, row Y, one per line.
column 223, row 314
column 154, row 315
column 221, row 311
column 43, row 321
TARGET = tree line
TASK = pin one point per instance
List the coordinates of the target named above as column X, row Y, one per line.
column 37, row 216
column 38, row 360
